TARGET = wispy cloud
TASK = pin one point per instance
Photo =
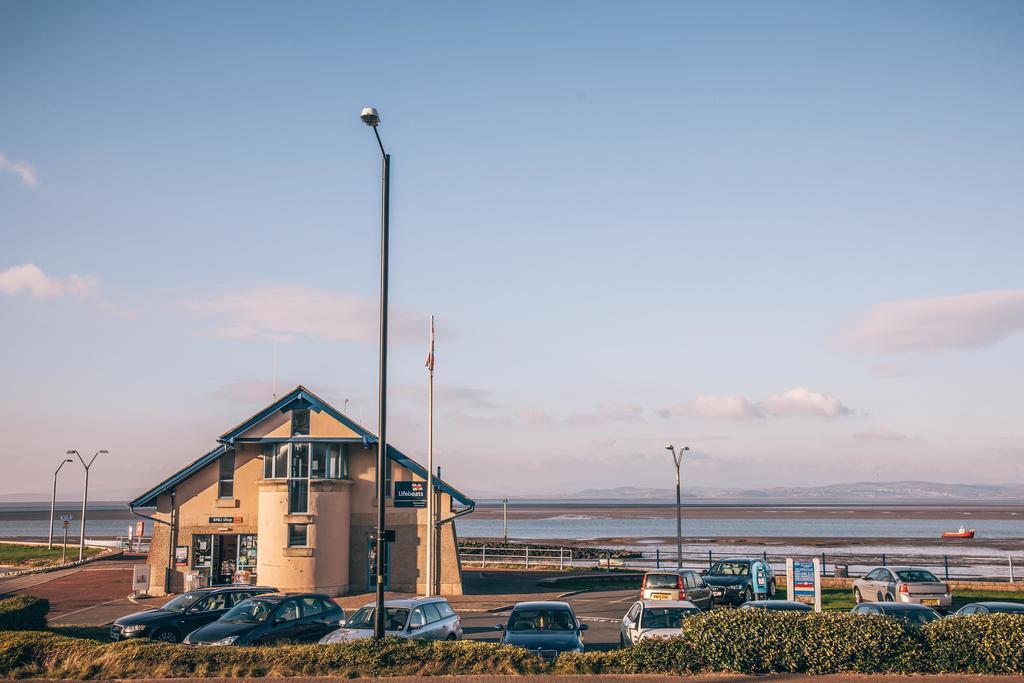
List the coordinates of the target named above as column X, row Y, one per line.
column 803, row 401
column 22, row 169
column 794, row 402
column 450, row 395
column 966, row 321
column 879, row 434
column 288, row 312
column 30, row 278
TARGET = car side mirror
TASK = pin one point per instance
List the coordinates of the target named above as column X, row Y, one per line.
column 278, row 621
column 703, row 572
column 584, row 627
column 341, row 622
column 499, row 627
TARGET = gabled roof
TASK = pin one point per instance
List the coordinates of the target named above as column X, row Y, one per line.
column 299, row 398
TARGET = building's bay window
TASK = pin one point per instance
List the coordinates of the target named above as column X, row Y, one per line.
column 301, row 462
column 298, row 479
column 298, row 535
column 330, row 461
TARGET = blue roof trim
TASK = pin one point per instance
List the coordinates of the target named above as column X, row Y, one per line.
column 409, row 463
column 148, row 499
column 298, row 398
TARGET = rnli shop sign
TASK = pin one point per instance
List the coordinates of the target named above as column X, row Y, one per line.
column 410, row 494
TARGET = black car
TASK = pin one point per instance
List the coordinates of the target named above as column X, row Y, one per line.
column 911, row 614
column 183, row 614
column 733, row 580
column 777, row 605
column 991, row 608
column 548, row 628
column 274, row 618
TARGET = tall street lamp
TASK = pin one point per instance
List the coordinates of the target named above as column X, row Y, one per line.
column 85, row 499
column 678, row 459
column 371, row 118
column 53, row 500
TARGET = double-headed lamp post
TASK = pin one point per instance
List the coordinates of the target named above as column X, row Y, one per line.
column 371, row 118
column 85, row 498
column 53, row 500
column 678, row 459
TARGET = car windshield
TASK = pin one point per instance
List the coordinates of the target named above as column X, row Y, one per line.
column 662, row 580
column 1006, row 608
column 182, row 602
column 917, row 576
column 394, row 618
column 730, row 569
column 541, row 620
column 253, row 611
column 914, row 617
column 665, row 617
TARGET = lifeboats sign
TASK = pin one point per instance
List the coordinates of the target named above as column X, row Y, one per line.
column 410, row 494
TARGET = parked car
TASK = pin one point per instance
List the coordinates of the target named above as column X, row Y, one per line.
column 548, row 628
column 654, row 619
column 912, row 615
column 990, row 608
column 683, row 584
column 183, row 614
column 902, row 584
column 733, row 580
column 418, row 618
column 777, row 605
column 273, row 618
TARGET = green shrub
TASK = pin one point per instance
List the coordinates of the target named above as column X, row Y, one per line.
column 22, row 613
column 990, row 644
column 742, row 641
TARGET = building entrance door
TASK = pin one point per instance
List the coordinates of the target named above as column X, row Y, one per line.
column 225, row 558
column 371, row 566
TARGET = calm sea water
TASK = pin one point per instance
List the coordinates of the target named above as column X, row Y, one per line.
column 572, row 526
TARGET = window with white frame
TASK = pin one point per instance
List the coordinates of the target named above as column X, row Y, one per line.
column 226, row 475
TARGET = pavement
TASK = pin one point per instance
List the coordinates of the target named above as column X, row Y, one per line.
column 92, row 594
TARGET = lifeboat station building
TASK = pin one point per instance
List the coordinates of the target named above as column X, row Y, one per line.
column 288, row 499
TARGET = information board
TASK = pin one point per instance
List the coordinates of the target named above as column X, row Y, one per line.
column 410, row 494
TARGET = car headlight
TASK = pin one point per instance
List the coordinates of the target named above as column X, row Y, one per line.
column 134, row 628
column 226, row 641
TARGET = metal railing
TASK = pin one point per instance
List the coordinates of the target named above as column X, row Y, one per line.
column 138, row 544
column 483, row 556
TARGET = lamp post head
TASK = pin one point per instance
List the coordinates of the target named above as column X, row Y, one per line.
column 670, row 448
column 686, row 448
column 109, row 451
column 370, row 117
column 70, row 452
column 68, row 460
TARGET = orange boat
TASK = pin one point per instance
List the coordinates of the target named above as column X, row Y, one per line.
column 963, row 533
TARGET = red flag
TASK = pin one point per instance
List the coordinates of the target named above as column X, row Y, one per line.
column 430, row 352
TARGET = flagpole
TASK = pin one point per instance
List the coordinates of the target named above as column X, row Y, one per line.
column 430, row 465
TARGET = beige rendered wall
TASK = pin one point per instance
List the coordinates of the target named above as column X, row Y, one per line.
column 196, row 501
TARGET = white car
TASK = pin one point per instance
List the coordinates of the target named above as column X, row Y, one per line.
column 902, row 584
column 654, row 619
column 418, row 618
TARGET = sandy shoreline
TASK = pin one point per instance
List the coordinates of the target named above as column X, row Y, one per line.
column 966, row 511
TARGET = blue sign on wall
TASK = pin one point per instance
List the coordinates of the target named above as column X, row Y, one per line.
column 410, row 494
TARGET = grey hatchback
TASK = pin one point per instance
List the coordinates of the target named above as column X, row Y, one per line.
column 912, row 615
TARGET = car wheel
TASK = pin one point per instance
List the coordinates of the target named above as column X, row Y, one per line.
column 771, row 589
column 747, row 596
column 857, row 599
column 451, row 636
column 622, row 641
column 888, row 597
column 166, row 635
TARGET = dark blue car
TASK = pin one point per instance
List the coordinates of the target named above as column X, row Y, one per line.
column 183, row 614
column 274, row 618
column 548, row 628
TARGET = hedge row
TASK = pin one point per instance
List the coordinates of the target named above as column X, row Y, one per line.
column 23, row 612
column 742, row 641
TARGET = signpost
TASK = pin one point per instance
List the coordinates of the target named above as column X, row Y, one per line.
column 140, row 578
column 804, row 583
column 410, row 494
column 65, row 521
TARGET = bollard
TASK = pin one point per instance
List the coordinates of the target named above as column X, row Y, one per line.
column 527, row 557
column 1011, row 568
column 483, row 558
column 883, row 559
column 764, row 556
column 945, row 565
column 709, row 560
column 561, row 554
column 657, row 558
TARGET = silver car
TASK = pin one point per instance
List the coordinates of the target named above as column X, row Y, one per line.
column 654, row 619
column 908, row 585
column 418, row 618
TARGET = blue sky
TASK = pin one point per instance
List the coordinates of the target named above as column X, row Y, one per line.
column 788, row 234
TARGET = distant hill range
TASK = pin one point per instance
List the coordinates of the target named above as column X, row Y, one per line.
column 854, row 491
